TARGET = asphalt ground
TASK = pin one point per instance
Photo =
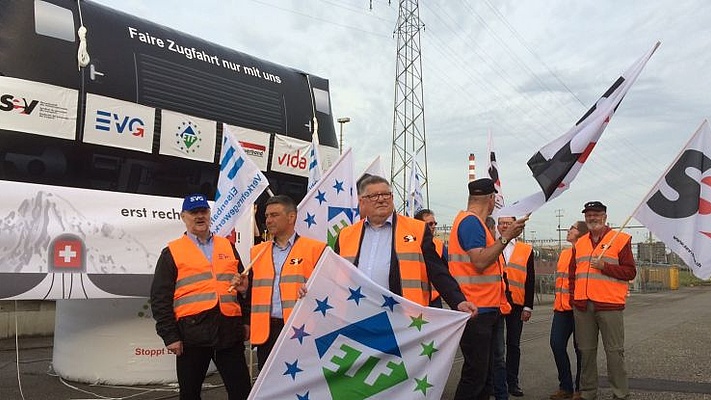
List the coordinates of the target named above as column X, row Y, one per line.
column 668, row 352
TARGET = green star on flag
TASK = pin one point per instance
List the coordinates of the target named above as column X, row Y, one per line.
column 428, row 349
column 422, row 385
column 417, row 322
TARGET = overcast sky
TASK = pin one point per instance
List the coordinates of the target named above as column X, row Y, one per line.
column 526, row 70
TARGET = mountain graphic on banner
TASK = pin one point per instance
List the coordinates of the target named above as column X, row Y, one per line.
column 27, row 233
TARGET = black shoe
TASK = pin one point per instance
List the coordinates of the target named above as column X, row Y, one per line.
column 515, row 391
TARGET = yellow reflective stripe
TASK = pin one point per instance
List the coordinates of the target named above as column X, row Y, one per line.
column 599, row 277
column 195, row 298
column 584, row 259
column 460, row 258
column 414, row 284
column 228, row 298
column 561, row 275
column 410, row 257
column 519, row 267
column 189, row 280
column 224, row 277
column 561, row 290
column 262, row 283
column 292, row 279
column 471, row 279
column 256, row 309
column 517, row 284
column 288, row 303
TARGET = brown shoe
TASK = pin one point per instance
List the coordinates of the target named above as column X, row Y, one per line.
column 577, row 396
column 561, row 394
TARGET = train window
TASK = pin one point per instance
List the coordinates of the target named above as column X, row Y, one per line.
column 321, row 99
column 54, row 21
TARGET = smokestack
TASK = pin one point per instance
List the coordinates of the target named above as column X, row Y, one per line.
column 472, row 167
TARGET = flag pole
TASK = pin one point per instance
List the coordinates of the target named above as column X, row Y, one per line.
column 231, row 288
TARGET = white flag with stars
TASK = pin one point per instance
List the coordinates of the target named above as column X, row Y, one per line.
column 350, row 338
column 331, row 204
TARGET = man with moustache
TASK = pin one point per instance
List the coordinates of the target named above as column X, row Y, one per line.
column 600, row 270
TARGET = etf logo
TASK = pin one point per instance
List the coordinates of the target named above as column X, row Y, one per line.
column 188, row 137
column 348, row 347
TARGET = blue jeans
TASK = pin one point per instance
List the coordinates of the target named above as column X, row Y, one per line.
column 562, row 328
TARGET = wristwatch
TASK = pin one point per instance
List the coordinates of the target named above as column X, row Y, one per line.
column 503, row 240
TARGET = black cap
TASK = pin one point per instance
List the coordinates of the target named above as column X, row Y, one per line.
column 481, row 187
column 594, row 206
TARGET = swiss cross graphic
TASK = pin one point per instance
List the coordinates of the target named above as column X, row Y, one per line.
column 67, row 253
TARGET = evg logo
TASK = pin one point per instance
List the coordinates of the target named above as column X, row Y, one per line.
column 104, row 121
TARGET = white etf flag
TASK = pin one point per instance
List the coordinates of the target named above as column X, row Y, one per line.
column 330, row 205
column 349, row 338
column 375, row 168
column 678, row 208
column 239, row 185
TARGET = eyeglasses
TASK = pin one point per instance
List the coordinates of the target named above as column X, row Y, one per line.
column 573, row 227
column 378, row 196
column 432, row 223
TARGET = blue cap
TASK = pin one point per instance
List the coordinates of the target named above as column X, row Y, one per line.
column 194, row 201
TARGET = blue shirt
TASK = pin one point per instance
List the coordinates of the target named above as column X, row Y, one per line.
column 472, row 235
column 376, row 252
column 205, row 248
column 279, row 255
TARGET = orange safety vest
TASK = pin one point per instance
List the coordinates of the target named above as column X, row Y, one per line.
column 562, row 294
column 201, row 285
column 516, row 271
column 590, row 283
column 408, row 249
column 439, row 247
column 486, row 288
column 297, row 268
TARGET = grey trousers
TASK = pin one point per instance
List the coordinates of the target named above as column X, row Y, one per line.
column 611, row 326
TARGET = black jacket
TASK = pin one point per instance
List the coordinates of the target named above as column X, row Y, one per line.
column 437, row 271
column 208, row 328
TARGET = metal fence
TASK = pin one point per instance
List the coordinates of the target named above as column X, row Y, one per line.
column 653, row 278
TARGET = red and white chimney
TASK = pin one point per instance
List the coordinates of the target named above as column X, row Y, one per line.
column 472, row 167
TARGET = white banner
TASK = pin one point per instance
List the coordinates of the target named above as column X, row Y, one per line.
column 186, row 136
column 291, row 156
column 118, row 123
column 349, row 338
column 254, row 143
column 61, row 243
column 38, row 108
